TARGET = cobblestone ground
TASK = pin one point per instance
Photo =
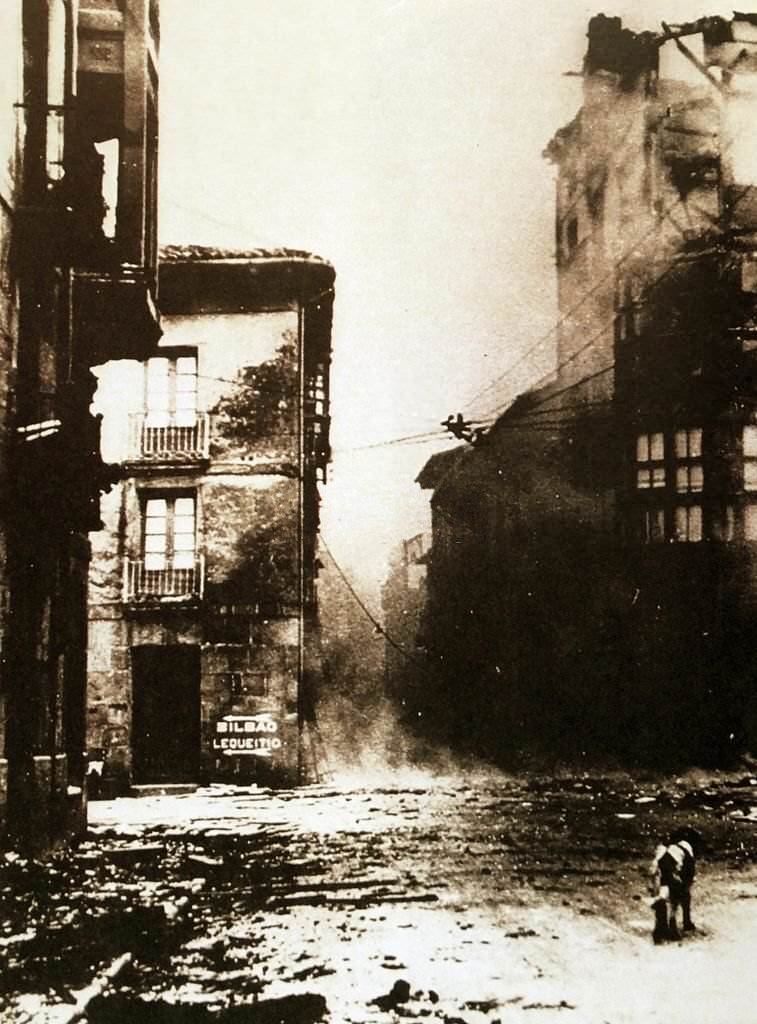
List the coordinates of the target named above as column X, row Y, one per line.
column 476, row 899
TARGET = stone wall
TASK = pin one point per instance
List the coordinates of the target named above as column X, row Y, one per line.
column 245, row 624
column 11, row 93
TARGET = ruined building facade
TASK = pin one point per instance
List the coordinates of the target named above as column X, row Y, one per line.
column 78, row 177
column 607, row 522
column 203, row 624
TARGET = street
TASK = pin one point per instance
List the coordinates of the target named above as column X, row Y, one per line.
column 475, row 898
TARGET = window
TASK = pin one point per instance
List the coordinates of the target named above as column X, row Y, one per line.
column 688, row 452
column 750, row 458
column 571, row 235
column 169, row 533
column 688, row 523
column 595, row 199
column 724, row 524
column 650, row 459
column 171, row 391
column 654, row 525
column 57, row 32
column 750, row 522
column 109, row 152
column 245, row 684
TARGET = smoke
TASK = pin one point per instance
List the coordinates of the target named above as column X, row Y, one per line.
column 367, row 747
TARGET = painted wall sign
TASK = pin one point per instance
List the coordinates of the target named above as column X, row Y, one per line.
column 247, row 734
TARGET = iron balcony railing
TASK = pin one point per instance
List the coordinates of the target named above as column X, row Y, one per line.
column 170, row 581
column 169, row 440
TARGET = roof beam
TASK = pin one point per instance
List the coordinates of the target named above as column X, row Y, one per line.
column 669, row 34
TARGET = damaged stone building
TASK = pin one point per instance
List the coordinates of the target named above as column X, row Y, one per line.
column 78, row 176
column 592, row 584
column 202, row 622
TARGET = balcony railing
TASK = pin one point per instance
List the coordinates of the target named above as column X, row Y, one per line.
column 141, row 582
column 170, row 440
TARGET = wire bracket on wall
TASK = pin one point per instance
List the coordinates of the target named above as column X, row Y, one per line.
column 463, row 429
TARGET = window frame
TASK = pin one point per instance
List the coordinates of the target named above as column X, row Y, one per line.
column 653, row 524
column 688, row 455
column 653, row 465
column 669, row 485
column 693, row 524
column 749, row 456
column 170, row 551
column 172, row 414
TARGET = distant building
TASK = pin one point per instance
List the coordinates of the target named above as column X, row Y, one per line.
column 592, row 577
column 403, row 599
column 351, row 706
column 202, row 621
column 78, row 178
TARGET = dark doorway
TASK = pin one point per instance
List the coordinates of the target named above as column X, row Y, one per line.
column 165, row 726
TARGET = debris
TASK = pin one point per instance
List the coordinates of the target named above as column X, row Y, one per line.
column 482, row 1005
column 562, row 1005
column 79, row 1010
column 205, row 861
column 399, row 994
column 135, row 853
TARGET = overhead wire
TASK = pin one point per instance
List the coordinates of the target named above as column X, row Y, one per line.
column 535, row 407
column 362, row 605
column 488, row 417
column 580, row 191
column 665, row 213
column 410, row 439
column 615, row 266
column 671, row 264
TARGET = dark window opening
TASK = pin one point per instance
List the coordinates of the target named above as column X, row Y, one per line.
column 571, row 234
column 245, row 684
column 694, row 173
column 653, row 525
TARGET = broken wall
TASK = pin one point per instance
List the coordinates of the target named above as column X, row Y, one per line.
column 659, row 158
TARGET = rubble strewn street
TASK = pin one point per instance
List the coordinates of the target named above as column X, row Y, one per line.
column 476, row 898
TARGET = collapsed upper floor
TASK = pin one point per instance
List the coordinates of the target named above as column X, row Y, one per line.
column 79, row 147
column 658, row 165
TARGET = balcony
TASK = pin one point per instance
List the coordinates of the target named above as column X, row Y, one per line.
column 170, row 441
column 114, row 314
column 141, row 583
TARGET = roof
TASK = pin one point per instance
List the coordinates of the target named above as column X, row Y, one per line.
column 204, row 253
column 196, row 279
column 437, row 467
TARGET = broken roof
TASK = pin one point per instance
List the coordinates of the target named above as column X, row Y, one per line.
column 621, row 51
column 614, row 48
column 621, row 54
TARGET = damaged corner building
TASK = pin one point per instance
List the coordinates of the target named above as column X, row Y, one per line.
column 78, row 228
column 202, row 626
column 593, row 579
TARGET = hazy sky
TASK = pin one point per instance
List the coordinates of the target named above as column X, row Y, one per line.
column 402, row 140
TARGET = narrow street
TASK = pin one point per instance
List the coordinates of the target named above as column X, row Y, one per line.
column 461, row 899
